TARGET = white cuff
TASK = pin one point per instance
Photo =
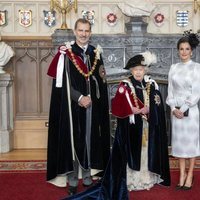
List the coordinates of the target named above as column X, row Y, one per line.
column 80, row 98
column 132, row 119
column 184, row 107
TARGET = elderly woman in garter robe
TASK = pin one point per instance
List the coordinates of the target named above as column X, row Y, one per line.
column 139, row 158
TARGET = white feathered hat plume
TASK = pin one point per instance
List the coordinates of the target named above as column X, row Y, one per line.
column 149, row 58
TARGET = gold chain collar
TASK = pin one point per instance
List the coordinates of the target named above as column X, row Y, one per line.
column 146, row 97
column 86, row 75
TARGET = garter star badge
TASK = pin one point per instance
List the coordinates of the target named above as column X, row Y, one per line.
column 102, row 73
column 157, row 99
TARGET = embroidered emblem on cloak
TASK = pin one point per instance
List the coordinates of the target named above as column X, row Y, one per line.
column 121, row 90
column 157, row 99
column 102, row 73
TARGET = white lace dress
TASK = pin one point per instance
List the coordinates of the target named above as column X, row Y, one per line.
column 143, row 179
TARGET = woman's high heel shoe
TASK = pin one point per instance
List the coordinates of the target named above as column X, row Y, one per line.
column 188, row 187
column 179, row 187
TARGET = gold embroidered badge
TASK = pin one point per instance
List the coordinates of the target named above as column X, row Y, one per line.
column 157, row 99
column 102, row 73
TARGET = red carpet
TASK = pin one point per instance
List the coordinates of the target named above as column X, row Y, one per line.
column 28, row 186
column 32, row 186
column 169, row 193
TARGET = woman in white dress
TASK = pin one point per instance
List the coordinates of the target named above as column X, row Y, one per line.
column 183, row 97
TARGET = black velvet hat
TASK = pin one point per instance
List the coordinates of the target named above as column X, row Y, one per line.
column 143, row 59
column 135, row 61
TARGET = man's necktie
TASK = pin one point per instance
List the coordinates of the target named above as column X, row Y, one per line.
column 84, row 56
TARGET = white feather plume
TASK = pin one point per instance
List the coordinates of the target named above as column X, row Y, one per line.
column 149, row 58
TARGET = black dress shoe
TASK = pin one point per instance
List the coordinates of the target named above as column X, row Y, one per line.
column 87, row 185
column 87, row 182
column 72, row 190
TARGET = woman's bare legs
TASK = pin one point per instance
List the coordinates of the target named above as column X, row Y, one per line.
column 183, row 174
column 190, row 174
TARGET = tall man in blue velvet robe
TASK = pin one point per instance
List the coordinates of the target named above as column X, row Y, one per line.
column 78, row 133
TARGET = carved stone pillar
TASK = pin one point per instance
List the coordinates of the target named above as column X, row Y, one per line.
column 136, row 26
column 6, row 113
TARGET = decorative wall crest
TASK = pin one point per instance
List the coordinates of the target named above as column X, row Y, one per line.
column 182, row 18
column 49, row 18
column 111, row 19
column 3, row 17
column 89, row 15
column 159, row 19
column 25, row 18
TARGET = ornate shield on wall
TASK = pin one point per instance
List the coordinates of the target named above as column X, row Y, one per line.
column 25, row 17
column 3, row 17
column 89, row 15
column 182, row 18
column 49, row 18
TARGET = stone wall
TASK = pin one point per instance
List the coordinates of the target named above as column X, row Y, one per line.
column 32, row 86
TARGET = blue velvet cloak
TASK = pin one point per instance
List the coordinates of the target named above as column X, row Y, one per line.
column 59, row 155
